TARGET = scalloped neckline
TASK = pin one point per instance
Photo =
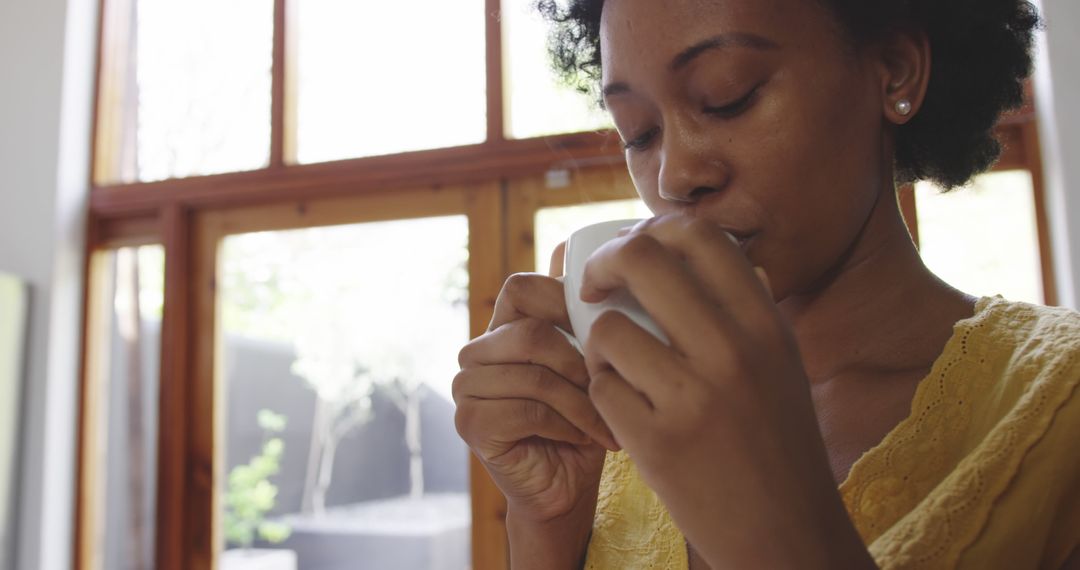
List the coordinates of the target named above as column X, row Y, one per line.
column 981, row 305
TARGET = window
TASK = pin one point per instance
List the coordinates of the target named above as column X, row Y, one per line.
column 984, row 239
column 119, row 462
column 376, row 78
column 539, row 103
column 337, row 362
column 185, row 89
column 555, row 224
column 264, row 164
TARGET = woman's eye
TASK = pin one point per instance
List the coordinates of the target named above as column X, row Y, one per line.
column 734, row 108
column 642, row 141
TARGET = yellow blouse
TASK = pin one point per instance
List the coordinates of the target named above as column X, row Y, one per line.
column 984, row 473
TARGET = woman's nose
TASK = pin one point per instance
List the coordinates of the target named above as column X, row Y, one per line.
column 689, row 168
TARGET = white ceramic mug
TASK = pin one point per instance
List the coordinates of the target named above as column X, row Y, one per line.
column 581, row 245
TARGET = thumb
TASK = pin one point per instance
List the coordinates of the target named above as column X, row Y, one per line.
column 557, row 257
column 764, row 278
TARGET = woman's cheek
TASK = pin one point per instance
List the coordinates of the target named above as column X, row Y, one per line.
column 645, row 181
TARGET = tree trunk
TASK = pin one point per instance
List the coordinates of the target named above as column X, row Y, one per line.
column 412, row 440
column 326, row 473
column 320, row 431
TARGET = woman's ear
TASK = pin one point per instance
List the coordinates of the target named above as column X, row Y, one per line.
column 904, row 62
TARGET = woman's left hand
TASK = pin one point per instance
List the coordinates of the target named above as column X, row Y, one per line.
column 720, row 423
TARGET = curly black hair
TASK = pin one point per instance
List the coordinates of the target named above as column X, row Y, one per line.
column 981, row 51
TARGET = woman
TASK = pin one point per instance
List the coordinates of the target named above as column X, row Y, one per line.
column 826, row 401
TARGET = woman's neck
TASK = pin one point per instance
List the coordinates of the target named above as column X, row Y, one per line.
column 880, row 310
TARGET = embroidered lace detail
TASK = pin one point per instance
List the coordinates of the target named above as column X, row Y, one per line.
column 632, row 529
column 922, row 496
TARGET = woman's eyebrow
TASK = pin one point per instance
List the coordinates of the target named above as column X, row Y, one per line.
column 721, row 41
column 737, row 39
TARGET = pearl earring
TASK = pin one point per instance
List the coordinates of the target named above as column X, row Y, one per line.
column 903, row 107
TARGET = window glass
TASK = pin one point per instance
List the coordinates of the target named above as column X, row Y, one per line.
column 538, row 102
column 203, row 83
column 376, row 78
column 340, row 346
column 983, row 239
column 124, row 435
column 554, row 225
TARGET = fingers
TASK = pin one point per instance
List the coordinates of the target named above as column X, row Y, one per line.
column 639, row 359
column 764, row 278
column 530, row 295
column 525, row 382
column 527, row 341
column 662, row 283
column 623, row 408
column 555, row 269
column 493, row 427
column 690, row 277
column 715, row 258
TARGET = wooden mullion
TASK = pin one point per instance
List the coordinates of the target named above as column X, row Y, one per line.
column 174, row 545
column 523, row 200
column 1014, row 153
column 487, row 271
column 205, row 445
column 132, row 231
column 409, row 204
column 277, row 97
column 1033, row 153
column 592, row 184
column 460, row 165
column 496, row 116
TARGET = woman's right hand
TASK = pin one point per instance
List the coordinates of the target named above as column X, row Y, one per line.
column 524, row 410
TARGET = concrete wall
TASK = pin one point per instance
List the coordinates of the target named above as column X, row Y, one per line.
column 46, row 69
column 1058, row 92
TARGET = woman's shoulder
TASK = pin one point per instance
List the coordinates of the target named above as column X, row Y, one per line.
column 1028, row 454
column 987, row 458
column 984, row 473
column 1008, row 350
column 1030, row 331
column 1017, row 367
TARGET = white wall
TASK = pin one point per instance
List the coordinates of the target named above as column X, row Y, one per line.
column 1058, row 92
column 46, row 69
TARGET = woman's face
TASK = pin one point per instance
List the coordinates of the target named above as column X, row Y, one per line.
column 755, row 114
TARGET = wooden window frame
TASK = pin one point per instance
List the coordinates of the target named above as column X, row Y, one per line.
column 501, row 181
column 181, row 214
